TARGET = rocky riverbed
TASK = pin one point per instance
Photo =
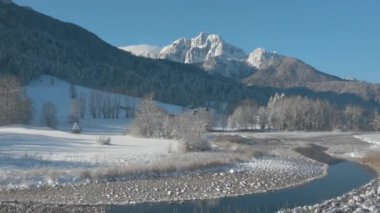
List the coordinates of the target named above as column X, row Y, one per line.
column 363, row 199
column 33, row 207
column 260, row 175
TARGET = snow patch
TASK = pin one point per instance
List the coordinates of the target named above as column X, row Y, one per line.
column 144, row 50
column 373, row 138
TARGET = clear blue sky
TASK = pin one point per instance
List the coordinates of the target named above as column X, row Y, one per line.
column 340, row 37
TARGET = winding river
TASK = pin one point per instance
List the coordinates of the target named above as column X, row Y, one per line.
column 341, row 178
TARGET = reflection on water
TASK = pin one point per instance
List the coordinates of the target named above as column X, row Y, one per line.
column 341, row 178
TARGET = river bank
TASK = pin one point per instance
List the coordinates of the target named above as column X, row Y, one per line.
column 258, row 176
column 280, row 167
column 362, row 199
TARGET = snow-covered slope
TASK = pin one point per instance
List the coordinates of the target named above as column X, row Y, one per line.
column 53, row 90
column 145, row 50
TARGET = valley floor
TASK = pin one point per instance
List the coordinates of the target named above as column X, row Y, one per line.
column 56, row 167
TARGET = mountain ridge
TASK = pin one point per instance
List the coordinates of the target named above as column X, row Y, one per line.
column 213, row 54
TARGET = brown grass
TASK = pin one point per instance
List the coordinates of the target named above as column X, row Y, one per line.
column 231, row 138
column 372, row 160
column 184, row 162
column 317, row 153
column 237, row 145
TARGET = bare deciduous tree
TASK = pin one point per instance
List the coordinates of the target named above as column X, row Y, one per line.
column 73, row 91
column 104, row 105
column 82, row 105
column 376, row 121
column 74, row 115
column 353, row 115
column 15, row 107
column 49, row 115
column 244, row 116
column 148, row 118
column 189, row 127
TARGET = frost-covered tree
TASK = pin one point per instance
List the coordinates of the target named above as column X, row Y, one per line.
column 353, row 116
column 244, row 116
column 94, row 104
column 299, row 113
column 104, row 105
column 189, row 127
column 82, row 105
column 274, row 112
column 148, row 118
column 263, row 118
column 74, row 114
column 73, row 91
column 49, row 115
column 15, row 107
column 376, row 121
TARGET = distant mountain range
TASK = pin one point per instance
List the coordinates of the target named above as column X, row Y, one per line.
column 259, row 68
column 203, row 71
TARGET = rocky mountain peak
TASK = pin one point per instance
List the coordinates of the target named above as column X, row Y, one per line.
column 261, row 58
column 200, row 40
column 201, row 48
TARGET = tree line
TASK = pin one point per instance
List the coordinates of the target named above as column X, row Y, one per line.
column 297, row 113
column 291, row 113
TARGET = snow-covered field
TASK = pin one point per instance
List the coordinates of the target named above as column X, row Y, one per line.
column 46, row 144
column 27, row 152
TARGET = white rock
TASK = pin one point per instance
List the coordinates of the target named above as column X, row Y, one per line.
column 358, row 210
column 358, row 198
column 297, row 210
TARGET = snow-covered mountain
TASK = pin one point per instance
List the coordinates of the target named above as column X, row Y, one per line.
column 145, row 50
column 260, row 67
column 262, row 59
column 202, row 48
column 210, row 52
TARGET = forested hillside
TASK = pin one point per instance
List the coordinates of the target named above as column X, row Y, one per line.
column 32, row 44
